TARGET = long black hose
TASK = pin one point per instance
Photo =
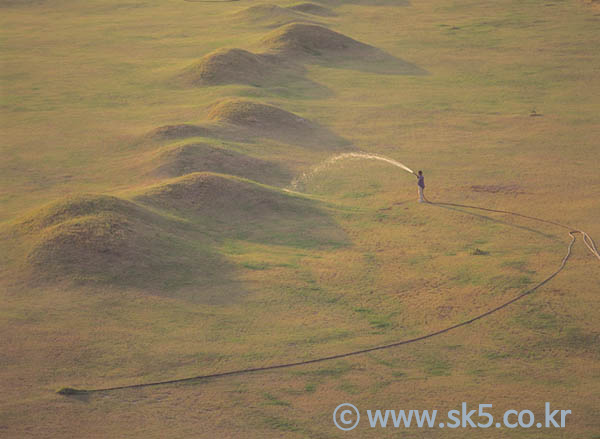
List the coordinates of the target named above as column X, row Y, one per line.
column 586, row 239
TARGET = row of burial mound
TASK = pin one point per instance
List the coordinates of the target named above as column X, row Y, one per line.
column 166, row 235
column 284, row 49
column 160, row 236
column 244, row 120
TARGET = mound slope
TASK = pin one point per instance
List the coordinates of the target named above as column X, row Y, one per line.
column 253, row 114
column 262, row 120
column 226, row 66
column 100, row 238
column 178, row 160
column 321, row 45
column 310, row 39
column 244, row 209
column 219, row 196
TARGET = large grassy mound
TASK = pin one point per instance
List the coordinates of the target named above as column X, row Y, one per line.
column 263, row 120
column 163, row 238
column 252, row 114
column 235, row 207
column 102, row 238
column 246, row 120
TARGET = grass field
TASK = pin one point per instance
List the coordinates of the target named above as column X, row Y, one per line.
column 148, row 230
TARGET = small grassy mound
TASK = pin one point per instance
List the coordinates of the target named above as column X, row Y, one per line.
column 101, row 238
column 256, row 115
column 310, row 39
column 178, row 160
column 240, row 120
column 261, row 120
column 75, row 207
column 229, row 66
column 243, row 209
column 218, row 196
column 313, row 9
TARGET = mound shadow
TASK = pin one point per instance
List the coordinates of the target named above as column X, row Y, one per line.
column 320, row 45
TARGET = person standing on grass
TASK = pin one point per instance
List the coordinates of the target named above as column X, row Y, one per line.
column 421, row 186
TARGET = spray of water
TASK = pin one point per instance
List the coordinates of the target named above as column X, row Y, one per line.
column 299, row 182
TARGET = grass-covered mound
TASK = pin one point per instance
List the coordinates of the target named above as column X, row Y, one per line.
column 228, row 66
column 310, row 39
column 245, row 120
column 177, row 160
column 252, row 114
column 101, row 238
column 241, row 208
column 317, row 44
column 263, row 120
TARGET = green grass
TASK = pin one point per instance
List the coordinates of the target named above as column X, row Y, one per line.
column 195, row 288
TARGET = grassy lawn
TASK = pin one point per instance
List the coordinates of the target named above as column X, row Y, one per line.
column 149, row 230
